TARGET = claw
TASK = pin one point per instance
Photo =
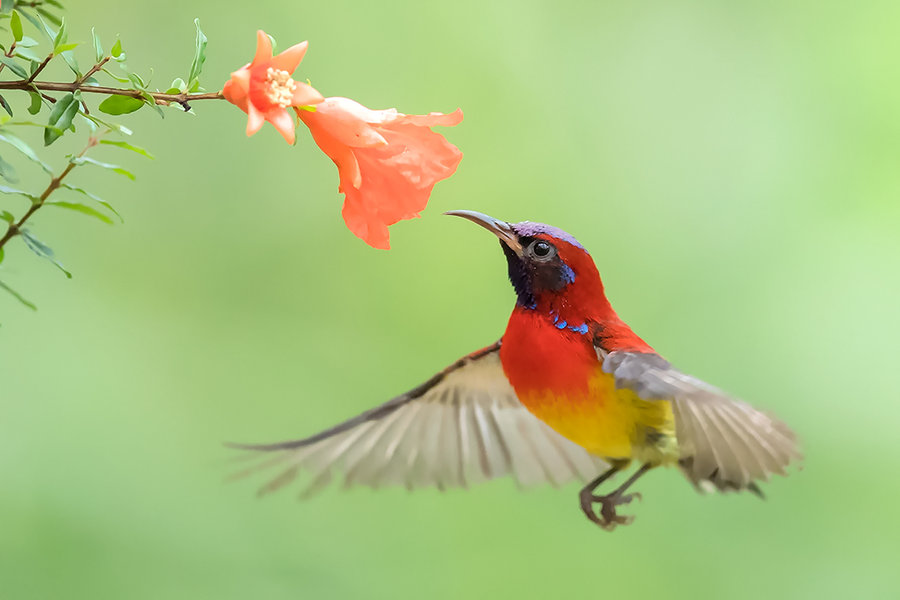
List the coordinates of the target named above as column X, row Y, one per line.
column 608, row 519
column 617, row 520
column 628, row 498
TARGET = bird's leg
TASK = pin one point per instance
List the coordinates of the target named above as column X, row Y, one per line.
column 608, row 518
column 587, row 497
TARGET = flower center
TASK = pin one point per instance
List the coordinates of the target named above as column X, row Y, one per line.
column 279, row 87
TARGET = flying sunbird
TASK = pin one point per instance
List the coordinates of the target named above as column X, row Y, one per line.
column 568, row 392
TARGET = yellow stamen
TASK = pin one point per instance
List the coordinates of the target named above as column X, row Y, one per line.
column 279, row 87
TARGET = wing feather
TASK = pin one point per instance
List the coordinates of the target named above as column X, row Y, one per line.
column 722, row 441
column 463, row 426
column 479, row 439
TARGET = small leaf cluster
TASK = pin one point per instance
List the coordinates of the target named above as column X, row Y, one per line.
column 32, row 35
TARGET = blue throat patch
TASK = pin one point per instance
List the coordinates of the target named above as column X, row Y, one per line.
column 582, row 329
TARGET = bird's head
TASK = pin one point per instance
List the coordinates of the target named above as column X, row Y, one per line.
column 548, row 268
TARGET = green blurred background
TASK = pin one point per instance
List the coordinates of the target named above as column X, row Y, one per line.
column 732, row 168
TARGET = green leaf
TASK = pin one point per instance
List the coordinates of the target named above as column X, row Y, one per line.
column 61, row 116
column 42, row 250
column 62, row 36
column 116, row 51
column 66, row 48
column 70, row 60
column 55, row 3
column 25, row 149
column 7, row 171
column 50, row 16
column 128, row 146
column 16, row 294
column 95, row 198
column 92, row 125
column 27, row 54
column 13, row 191
column 14, row 66
column 36, row 103
column 109, row 125
column 5, row 106
column 27, row 42
column 15, row 23
column 98, row 48
column 7, row 216
column 86, row 210
column 137, row 81
column 39, row 24
column 150, row 101
column 178, row 85
column 116, row 77
column 199, row 56
column 86, row 160
column 120, row 105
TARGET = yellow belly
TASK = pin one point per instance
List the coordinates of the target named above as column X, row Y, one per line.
column 609, row 422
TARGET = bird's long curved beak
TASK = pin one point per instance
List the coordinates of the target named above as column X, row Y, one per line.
column 501, row 229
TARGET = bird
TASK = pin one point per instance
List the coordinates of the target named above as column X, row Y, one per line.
column 569, row 392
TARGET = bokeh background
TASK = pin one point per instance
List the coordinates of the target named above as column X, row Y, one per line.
column 732, row 167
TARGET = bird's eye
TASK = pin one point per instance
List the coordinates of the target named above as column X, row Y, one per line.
column 542, row 250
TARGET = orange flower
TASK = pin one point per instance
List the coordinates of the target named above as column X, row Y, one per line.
column 264, row 89
column 388, row 162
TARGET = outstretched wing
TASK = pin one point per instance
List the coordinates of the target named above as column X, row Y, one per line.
column 462, row 426
column 721, row 440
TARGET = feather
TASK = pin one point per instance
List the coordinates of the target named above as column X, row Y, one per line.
column 462, row 426
column 722, row 441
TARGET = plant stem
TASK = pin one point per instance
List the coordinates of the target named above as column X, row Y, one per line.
column 14, row 228
column 8, row 54
column 56, row 86
column 93, row 70
column 40, row 68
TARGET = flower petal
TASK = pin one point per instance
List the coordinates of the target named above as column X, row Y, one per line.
column 432, row 119
column 283, row 122
column 397, row 180
column 341, row 154
column 305, row 95
column 384, row 182
column 364, row 224
column 255, row 119
column 263, row 49
column 235, row 89
column 290, row 59
column 340, row 117
column 357, row 110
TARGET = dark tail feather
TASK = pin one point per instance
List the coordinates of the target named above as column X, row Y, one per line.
column 715, row 482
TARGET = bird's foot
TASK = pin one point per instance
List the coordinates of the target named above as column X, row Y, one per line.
column 608, row 519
